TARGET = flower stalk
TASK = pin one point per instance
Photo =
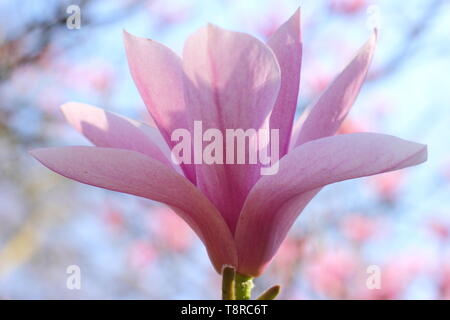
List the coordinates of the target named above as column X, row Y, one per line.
column 243, row 286
column 238, row 286
column 228, row 283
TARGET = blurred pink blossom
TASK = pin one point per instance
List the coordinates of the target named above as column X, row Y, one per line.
column 140, row 254
column 444, row 281
column 170, row 12
column 170, row 229
column 348, row 6
column 387, row 184
column 113, row 219
column 330, row 270
column 360, row 228
column 396, row 275
column 291, row 251
column 440, row 229
column 89, row 75
column 350, row 126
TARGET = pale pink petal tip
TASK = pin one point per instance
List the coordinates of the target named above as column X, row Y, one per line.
column 159, row 78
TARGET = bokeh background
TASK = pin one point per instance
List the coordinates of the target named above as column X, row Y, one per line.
column 134, row 248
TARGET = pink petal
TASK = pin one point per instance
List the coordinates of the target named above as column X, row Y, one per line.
column 106, row 129
column 158, row 75
column 328, row 112
column 286, row 43
column 275, row 201
column 134, row 173
column 232, row 81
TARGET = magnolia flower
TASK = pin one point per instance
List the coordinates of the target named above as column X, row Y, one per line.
column 229, row 80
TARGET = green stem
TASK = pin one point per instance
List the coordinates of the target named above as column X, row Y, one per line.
column 228, row 274
column 243, row 286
